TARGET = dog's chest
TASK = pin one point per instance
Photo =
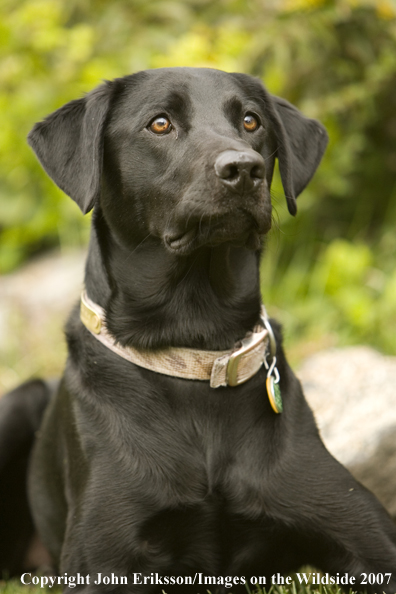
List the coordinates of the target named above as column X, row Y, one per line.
column 193, row 445
column 186, row 466
column 202, row 478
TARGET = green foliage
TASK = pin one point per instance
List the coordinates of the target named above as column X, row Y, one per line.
column 14, row 587
column 335, row 59
column 344, row 296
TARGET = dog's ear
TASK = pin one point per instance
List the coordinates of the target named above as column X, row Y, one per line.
column 301, row 143
column 69, row 145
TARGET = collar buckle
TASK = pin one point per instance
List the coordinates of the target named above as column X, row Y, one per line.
column 245, row 354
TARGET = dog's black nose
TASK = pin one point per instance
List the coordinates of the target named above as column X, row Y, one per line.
column 240, row 170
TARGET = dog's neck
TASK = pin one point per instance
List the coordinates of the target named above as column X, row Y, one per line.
column 154, row 299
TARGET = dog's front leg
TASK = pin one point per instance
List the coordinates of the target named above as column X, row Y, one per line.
column 344, row 529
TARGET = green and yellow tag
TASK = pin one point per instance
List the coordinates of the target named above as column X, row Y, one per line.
column 274, row 394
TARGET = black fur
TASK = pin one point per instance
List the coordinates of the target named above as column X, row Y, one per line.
column 135, row 471
column 21, row 413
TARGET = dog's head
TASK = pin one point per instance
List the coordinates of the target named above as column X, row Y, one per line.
column 182, row 154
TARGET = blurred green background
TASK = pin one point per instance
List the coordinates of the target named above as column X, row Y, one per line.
column 329, row 274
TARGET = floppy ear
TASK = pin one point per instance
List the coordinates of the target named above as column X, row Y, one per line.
column 301, row 144
column 69, row 145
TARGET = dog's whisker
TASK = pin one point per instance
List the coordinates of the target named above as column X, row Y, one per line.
column 200, row 222
column 188, row 271
column 140, row 243
column 271, row 155
column 191, row 213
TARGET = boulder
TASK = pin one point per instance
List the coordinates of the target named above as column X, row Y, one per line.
column 352, row 392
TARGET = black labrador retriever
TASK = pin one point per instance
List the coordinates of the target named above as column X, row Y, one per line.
column 179, row 446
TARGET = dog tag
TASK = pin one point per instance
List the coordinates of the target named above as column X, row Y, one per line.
column 274, row 394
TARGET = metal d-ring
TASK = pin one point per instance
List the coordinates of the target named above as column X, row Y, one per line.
column 271, row 335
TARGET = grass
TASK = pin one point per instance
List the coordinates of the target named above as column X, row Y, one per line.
column 14, row 587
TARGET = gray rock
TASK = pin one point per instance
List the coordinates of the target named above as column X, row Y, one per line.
column 51, row 281
column 352, row 392
column 34, row 304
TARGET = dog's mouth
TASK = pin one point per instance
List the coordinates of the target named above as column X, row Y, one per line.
column 241, row 231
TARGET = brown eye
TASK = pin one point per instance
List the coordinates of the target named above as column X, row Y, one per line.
column 250, row 123
column 160, row 125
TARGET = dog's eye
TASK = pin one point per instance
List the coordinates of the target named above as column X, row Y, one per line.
column 250, row 122
column 160, row 125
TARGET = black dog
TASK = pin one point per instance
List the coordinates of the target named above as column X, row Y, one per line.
column 149, row 475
